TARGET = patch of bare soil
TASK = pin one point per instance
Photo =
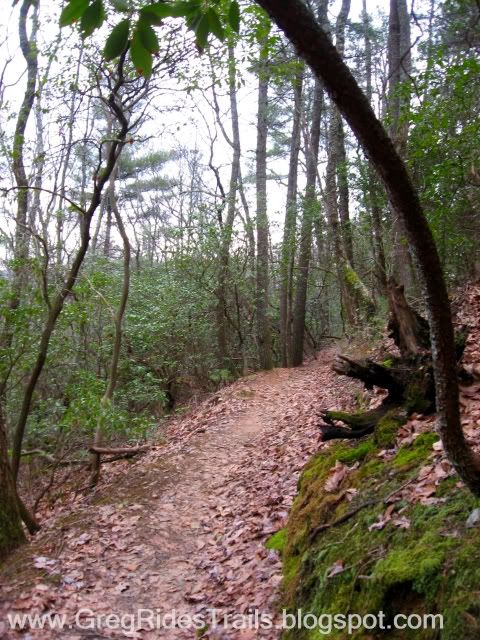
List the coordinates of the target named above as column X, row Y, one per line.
column 183, row 529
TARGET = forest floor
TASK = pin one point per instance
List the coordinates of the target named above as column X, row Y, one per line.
column 183, row 528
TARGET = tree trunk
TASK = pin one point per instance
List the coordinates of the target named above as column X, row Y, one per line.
column 107, row 398
column 300, row 26
column 263, row 320
column 29, row 51
column 288, row 245
column 372, row 188
column 71, row 277
column 310, row 211
column 11, row 531
column 227, row 227
column 399, row 69
column 408, row 379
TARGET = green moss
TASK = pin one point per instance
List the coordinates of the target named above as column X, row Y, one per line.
column 387, row 428
column 417, row 563
column 277, row 541
column 11, row 533
column 418, row 451
column 431, row 567
column 319, row 466
column 358, row 453
column 351, row 277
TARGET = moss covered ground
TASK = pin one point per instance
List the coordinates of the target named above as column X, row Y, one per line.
column 433, row 566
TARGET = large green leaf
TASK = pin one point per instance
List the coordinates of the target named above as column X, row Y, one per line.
column 147, row 36
column 215, row 26
column 151, row 17
column 117, row 41
column 92, row 18
column 141, row 57
column 154, row 13
column 181, row 9
column 202, row 30
column 234, row 16
column 120, row 5
column 72, row 12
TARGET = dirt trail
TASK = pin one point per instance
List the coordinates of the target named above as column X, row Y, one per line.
column 184, row 528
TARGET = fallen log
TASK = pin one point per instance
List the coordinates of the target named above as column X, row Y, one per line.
column 119, row 450
column 408, row 378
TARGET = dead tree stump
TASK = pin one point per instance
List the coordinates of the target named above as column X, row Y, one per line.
column 408, row 378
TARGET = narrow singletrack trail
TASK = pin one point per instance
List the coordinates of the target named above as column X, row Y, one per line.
column 183, row 529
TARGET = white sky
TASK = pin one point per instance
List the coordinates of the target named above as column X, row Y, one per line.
column 187, row 127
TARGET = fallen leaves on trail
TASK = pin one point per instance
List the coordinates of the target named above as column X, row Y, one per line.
column 185, row 526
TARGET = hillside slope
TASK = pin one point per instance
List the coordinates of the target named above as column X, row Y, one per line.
column 389, row 529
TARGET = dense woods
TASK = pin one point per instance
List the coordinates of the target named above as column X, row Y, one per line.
column 173, row 222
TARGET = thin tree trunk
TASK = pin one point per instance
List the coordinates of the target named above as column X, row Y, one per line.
column 288, row 244
column 107, row 398
column 336, row 193
column 29, row 51
column 373, row 195
column 311, row 42
column 226, row 230
column 22, row 234
column 310, row 211
column 343, row 192
column 71, row 276
column 338, row 140
column 399, row 69
column 263, row 320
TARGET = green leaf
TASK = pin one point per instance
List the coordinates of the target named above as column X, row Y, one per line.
column 154, row 13
column 72, row 12
column 193, row 19
column 234, row 16
column 141, row 58
column 147, row 37
column 150, row 17
column 215, row 26
column 117, row 41
column 202, row 30
column 120, row 5
column 92, row 18
column 183, row 9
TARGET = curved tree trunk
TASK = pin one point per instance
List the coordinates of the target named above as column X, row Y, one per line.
column 29, row 51
column 300, row 26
